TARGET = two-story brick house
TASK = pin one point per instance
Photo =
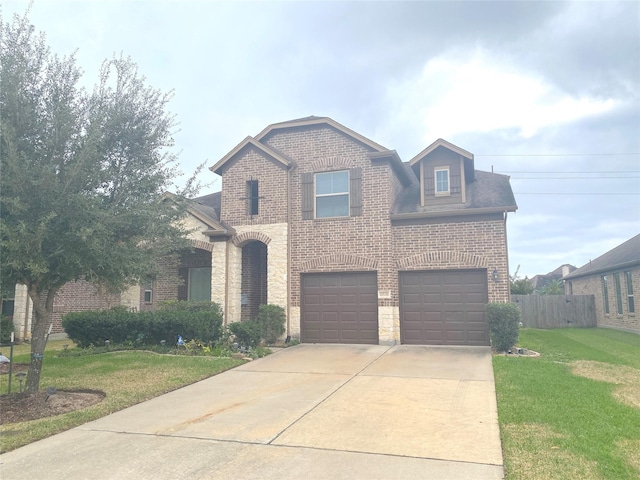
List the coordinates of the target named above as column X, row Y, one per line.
column 354, row 244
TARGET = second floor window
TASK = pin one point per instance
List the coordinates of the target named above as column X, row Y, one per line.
column 332, row 194
column 442, row 181
column 252, row 196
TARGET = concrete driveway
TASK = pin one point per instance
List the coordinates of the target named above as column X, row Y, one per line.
column 310, row 411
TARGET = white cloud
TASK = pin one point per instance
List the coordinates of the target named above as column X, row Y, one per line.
column 459, row 93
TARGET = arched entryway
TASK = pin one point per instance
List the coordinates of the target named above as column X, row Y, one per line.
column 254, row 279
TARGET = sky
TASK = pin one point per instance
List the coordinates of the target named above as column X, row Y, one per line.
column 546, row 92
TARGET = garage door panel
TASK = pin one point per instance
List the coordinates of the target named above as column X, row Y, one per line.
column 431, row 298
column 443, row 307
column 347, row 304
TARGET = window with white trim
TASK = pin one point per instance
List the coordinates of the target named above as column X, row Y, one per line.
column 332, row 194
column 442, row 181
column 148, row 291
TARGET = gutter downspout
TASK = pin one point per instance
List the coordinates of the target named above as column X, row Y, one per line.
column 506, row 247
column 288, row 252
column 226, row 281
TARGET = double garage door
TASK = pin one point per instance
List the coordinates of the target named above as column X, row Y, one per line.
column 436, row 307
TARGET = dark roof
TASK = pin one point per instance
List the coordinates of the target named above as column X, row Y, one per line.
column 208, row 205
column 622, row 256
column 540, row 281
column 487, row 191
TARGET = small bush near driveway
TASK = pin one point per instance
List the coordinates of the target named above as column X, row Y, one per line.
column 504, row 325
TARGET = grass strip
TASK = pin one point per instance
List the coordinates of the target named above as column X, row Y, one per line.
column 556, row 424
column 127, row 378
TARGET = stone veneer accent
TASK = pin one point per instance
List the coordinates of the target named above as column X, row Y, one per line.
column 22, row 313
column 275, row 237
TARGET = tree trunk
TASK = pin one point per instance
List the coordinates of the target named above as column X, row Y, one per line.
column 39, row 333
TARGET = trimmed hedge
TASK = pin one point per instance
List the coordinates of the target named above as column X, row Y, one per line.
column 504, row 325
column 193, row 320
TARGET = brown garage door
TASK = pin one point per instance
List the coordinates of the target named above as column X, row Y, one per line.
column 339, row 308
column 444, row 307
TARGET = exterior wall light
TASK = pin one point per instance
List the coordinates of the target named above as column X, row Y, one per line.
column 494, row 275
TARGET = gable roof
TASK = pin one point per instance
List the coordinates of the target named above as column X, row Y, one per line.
column 469, row 169
column 278, row 158
column 440, row 143
column 313, row 120
column 488, row 193
column 624, row 255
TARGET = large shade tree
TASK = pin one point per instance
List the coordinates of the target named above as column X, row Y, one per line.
column 82, row 176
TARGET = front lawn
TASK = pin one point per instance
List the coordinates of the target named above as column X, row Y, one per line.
column 574, row 412
column 127, row 378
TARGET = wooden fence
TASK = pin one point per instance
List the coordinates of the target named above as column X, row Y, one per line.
column 556, row 311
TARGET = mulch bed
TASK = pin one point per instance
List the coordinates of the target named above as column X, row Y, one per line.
column 20, row 407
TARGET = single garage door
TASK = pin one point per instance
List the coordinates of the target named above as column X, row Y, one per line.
column 444, row 307
column 339, row 308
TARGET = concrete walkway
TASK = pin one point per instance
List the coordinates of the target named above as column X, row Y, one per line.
column 310, row 411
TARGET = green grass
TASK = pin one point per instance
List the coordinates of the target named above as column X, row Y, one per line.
column 127, row 378
column 556, row 424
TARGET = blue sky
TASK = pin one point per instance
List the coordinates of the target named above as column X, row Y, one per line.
column 547, row 92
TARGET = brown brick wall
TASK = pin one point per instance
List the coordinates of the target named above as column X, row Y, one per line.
column 168, row 284
column 313, row 242
column 457, row 245
column 272, row 190
column 592, row 285
column 79, row 296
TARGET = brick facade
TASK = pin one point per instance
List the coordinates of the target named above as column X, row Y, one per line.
column 285, row 236
column 592, row 285
column 77, row 297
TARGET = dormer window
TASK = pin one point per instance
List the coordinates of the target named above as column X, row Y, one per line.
column 442, row 181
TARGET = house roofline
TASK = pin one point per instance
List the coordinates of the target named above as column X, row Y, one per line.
column 217, row 168
column 302, row 122
column 396, row 164
column 452, row 213
column 440, row 143
column 219, row 233
column 608, row 268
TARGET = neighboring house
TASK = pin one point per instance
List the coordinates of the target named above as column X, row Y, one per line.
column 614, row 280
column 540, row 281
column 354, row 244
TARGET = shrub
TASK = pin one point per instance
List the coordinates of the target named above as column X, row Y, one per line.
column 6, row 327
column 201, row 321
column 272, row 320
column 247, row 334
column 504, row 324
column 93, row 327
